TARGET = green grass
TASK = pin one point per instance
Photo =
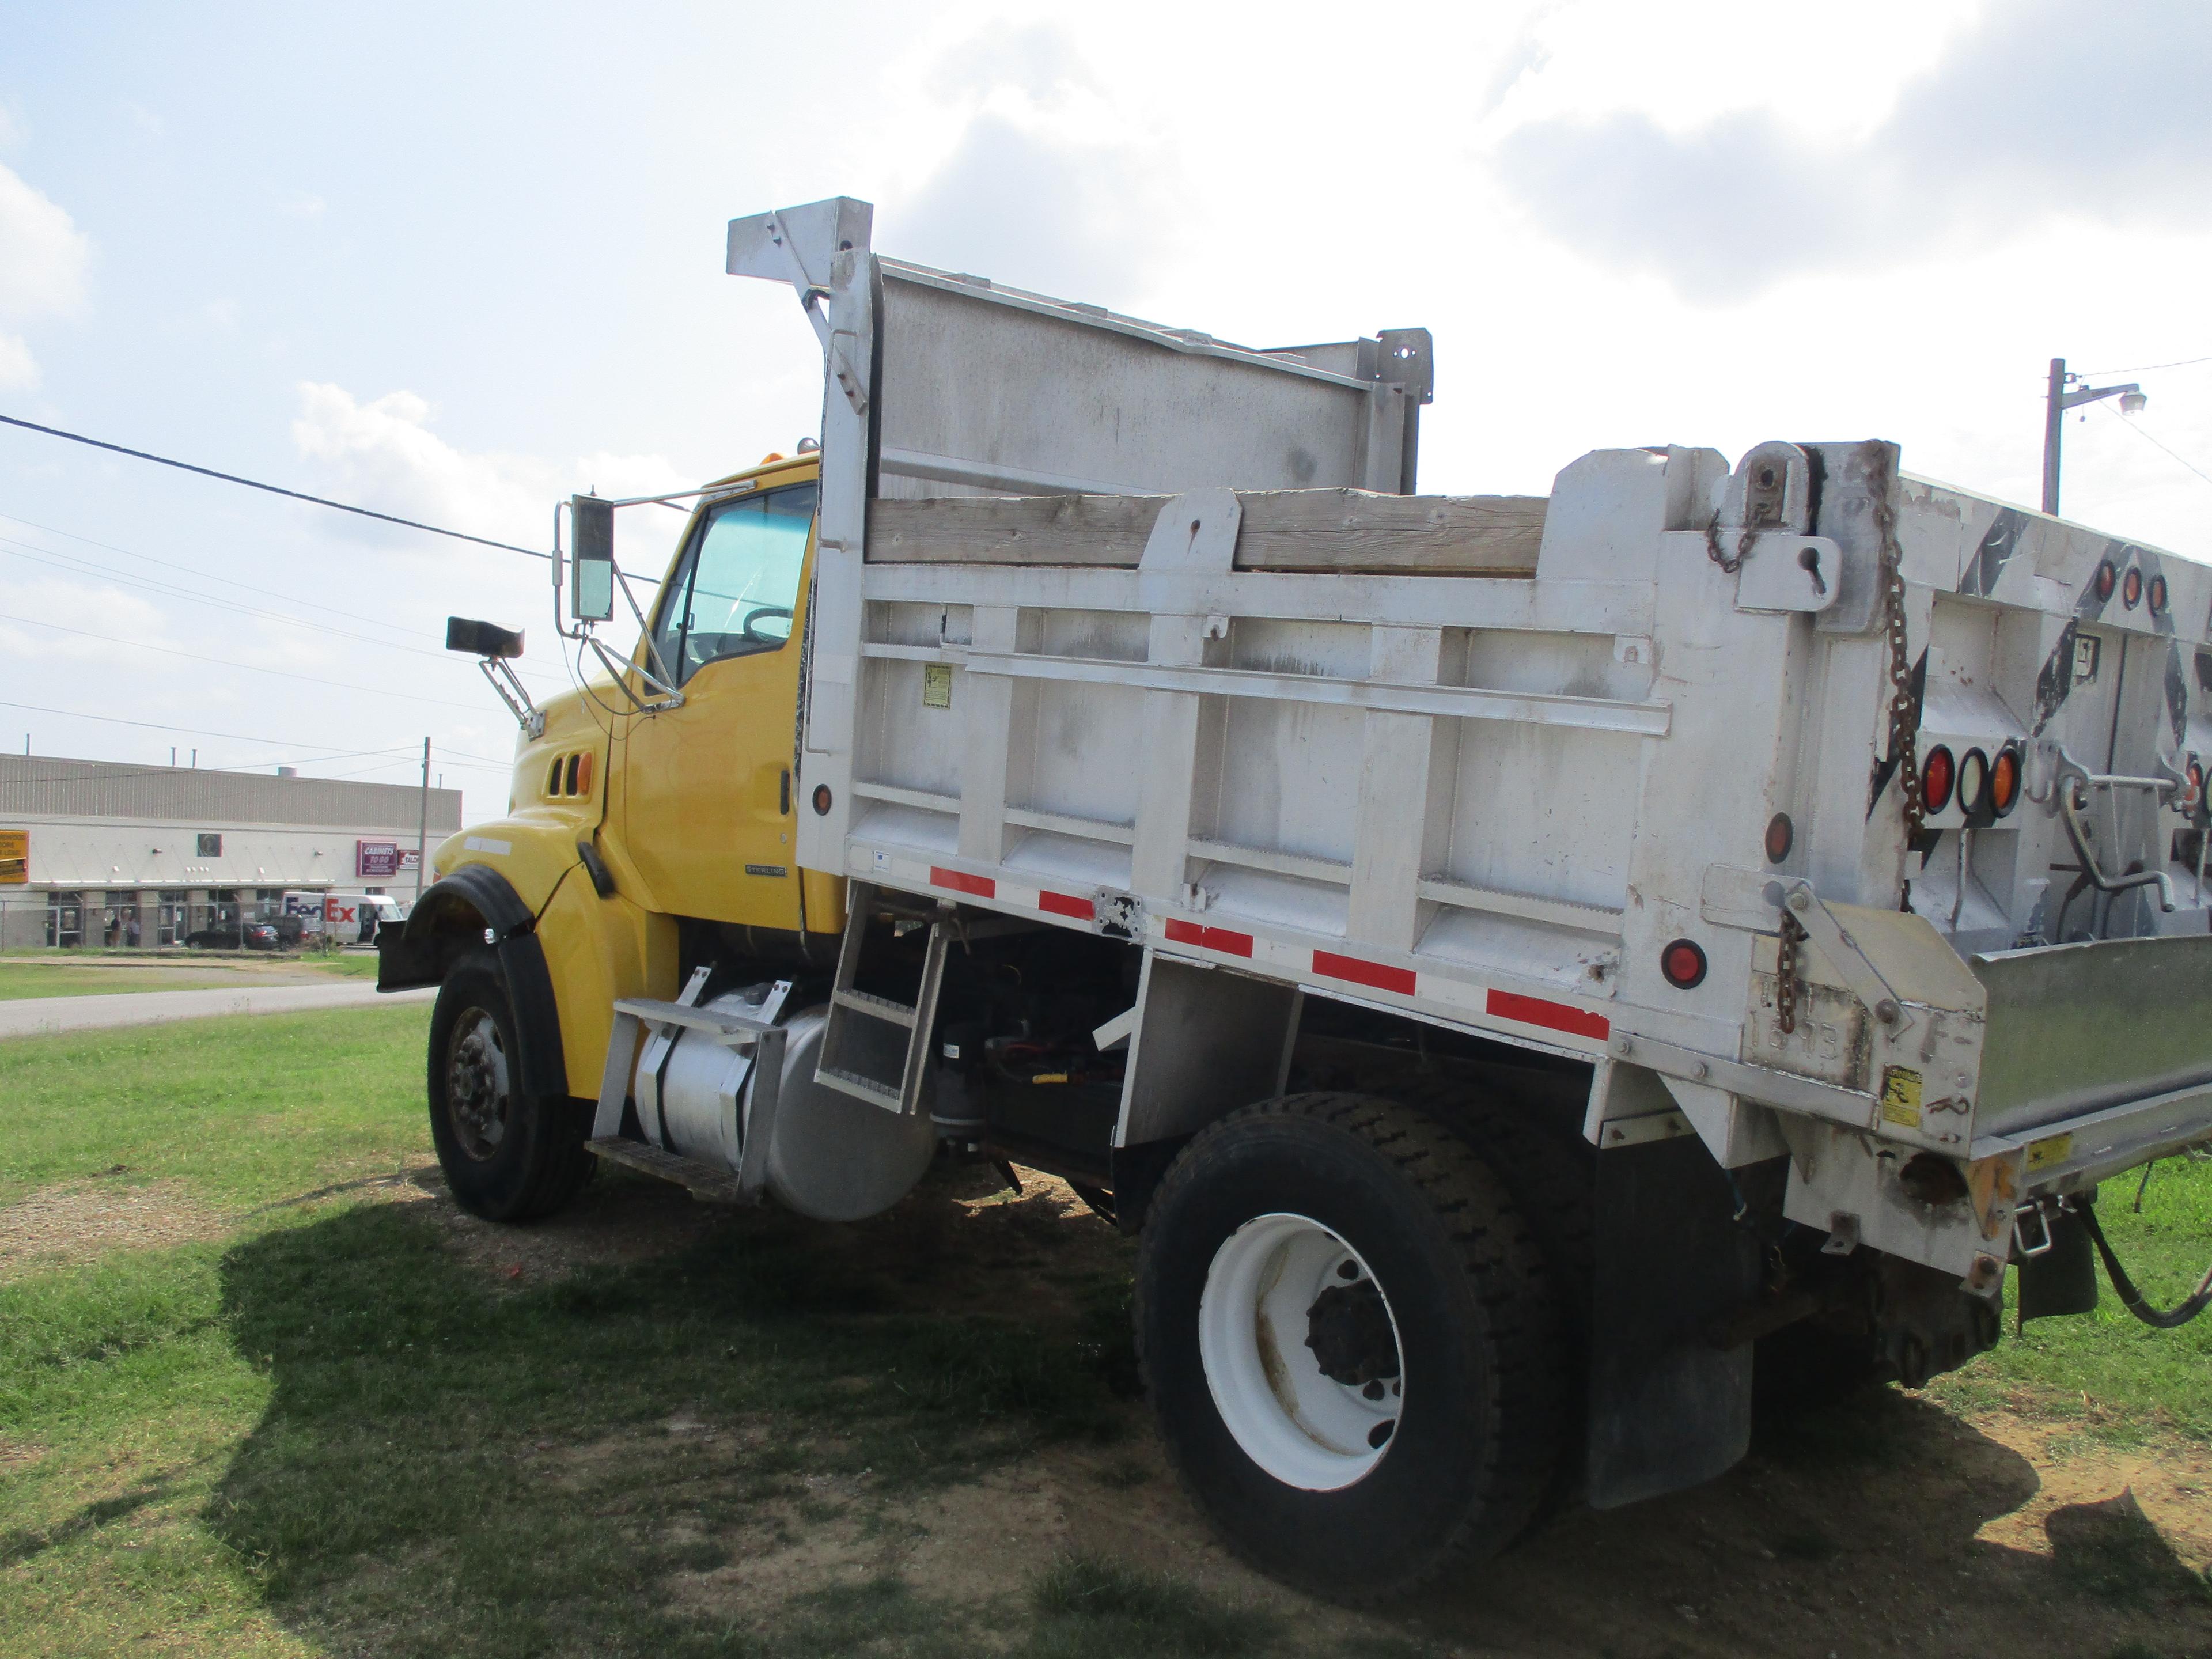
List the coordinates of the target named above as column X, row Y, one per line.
column 321, row 1429
column 2137, row 1381
column 17, row 984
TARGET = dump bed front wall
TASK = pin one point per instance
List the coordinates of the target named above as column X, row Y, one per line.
column 1068, row 404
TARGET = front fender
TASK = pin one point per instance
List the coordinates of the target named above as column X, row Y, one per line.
column 477, row 905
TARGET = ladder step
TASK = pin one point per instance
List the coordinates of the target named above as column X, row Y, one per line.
column 706, row 1181
column 867, row 1088
column 882, row 1008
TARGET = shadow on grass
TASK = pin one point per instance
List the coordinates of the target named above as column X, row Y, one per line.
column 24, row 1546
column 2112, row 1551
column 445, row 1468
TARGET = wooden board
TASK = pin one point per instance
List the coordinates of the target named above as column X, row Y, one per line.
column 1338, row 531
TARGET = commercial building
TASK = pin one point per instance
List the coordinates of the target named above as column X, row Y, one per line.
column 98, row 853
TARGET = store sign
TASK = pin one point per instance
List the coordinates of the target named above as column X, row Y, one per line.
column 14, row 858
column 377, row 859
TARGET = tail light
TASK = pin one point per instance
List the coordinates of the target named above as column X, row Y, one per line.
column 2107, row 579
column 2195, row 798
column 1683, row 963
column 1938, row 773
column 1781, row 836
column 2158, row 594
column 2004, row 780
column 1973, row 782
column 2131, row 589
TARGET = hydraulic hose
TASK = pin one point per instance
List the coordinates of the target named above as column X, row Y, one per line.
column 2167, row 1320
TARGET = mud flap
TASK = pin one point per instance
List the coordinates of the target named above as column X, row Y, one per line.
column 2062, row 1279
column 1668, row 1409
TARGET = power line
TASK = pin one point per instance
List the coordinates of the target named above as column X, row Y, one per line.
column 116, row 770
column 205, row 576
column 225, row 662
column 77, row 565
column 187, row 731
column 2144, row 368
column 2136, row 427
column 274, row 490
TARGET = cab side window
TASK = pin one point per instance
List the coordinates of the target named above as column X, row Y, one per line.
column 735, row 590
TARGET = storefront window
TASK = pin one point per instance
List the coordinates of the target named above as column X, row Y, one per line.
column 119, row 920
column 173, row 918
column 64, row 919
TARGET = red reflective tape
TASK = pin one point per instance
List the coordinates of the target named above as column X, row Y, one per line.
column 981, row 886
column 1210, row 939
column 1065, row 904
column 1552, row 1015
column 1351, row 968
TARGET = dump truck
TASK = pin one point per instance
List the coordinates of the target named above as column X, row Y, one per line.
column 1521, row 967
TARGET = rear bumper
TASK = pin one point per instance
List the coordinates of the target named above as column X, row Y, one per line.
column 2078, row 1152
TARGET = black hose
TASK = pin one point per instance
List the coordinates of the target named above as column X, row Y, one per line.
column 2167, row 1321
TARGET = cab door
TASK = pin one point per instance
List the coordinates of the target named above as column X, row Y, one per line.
column 708, row 788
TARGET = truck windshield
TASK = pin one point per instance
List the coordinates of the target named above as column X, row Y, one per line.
column 734, row 589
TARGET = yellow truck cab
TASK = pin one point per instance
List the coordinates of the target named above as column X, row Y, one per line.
column 624, row 832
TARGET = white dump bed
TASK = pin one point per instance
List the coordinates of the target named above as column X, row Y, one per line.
column 1551, row 771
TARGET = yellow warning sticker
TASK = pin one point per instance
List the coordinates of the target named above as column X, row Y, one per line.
column 937, row 685
column 2051, row 1149
column 1900, row 1097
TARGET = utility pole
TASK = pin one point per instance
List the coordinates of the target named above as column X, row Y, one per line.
column 422, row 825
column 2057, row 401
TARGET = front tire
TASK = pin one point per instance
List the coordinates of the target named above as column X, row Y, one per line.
column 1350, row 1344
column 508, row 1155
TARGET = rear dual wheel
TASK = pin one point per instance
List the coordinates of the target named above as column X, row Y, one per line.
column 507, row 1155
column 1350, row 1344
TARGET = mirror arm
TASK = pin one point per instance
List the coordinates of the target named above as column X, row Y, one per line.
column 669, row 696
column 504, row 680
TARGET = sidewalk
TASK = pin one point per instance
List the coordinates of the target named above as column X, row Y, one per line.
column 35, row 1016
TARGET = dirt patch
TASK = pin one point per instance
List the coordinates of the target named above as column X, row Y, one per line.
column 78, row 1221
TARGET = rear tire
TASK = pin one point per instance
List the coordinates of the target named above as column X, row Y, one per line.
column 1297, row 1254
column 508, row 1155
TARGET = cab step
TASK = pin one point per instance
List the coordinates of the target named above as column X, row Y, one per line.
column 707, row 1183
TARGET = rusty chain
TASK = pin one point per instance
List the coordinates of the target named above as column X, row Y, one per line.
column 1713, row 546
column 1903, row 711
column 1787, row 985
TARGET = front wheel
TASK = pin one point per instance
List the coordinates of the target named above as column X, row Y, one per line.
column 508, row 1155
column 1350, row 1345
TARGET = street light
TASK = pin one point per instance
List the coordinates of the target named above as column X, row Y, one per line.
column 2054, row 415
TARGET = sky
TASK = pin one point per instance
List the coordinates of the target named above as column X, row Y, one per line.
column 455, row 262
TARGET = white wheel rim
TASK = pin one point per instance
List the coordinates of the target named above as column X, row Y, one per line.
column 1255, row 1319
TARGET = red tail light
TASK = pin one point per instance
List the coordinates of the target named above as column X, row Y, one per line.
column 2131, row 589
column 1938, row 773
column 2107, row 579
column 1683, row 963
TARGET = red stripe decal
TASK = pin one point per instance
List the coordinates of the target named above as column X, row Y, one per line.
column 1063, row 904
column 1351, row 968
column 981, row 886
column 1210, row 939
column 1552, row 1015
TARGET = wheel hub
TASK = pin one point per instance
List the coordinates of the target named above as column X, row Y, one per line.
column 477, row 1096
column 1348, row 1329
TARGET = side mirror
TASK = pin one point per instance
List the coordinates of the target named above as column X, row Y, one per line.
column 481, row 639
column 592, row 570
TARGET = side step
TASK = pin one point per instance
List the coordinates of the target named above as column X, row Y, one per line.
column 633, row 1015
column 707, row 1184
column 875, row 1048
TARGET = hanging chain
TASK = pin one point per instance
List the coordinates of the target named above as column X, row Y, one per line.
column 1713, row 546
column 1903, row 710
column 1786, row 982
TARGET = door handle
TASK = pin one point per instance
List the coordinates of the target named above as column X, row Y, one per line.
column 783, row 793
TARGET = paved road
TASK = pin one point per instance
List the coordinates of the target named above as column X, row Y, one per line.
column 33, row 1016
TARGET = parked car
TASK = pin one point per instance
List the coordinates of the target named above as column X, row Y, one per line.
column 257, row 936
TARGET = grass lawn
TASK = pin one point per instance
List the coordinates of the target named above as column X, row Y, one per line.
column 314, row 1429
column 304, row 1420
column 40, row 980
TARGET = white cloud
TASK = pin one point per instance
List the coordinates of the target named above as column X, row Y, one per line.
column 2042, row 110
column 383, row 455
column 19, row 371
column 43, row 255
column 302, row 204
